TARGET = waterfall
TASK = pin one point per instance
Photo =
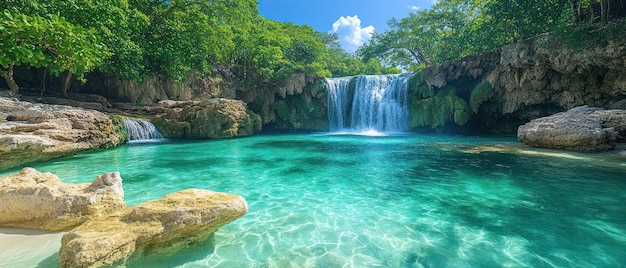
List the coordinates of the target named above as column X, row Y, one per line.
column 140, row 130
column 337, row 102
column 379, row 104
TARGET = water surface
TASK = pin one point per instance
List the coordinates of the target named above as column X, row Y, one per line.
column 384, row 201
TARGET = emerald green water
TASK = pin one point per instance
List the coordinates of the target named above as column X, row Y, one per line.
column 390, row 201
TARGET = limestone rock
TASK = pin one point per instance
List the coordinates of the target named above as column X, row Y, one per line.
column 35, row 132
column 158, row 226
column 34, row 200
column 214, row 118
column 580, row 129
column 536, row 77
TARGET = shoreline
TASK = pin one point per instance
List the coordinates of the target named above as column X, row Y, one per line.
column 29, row 248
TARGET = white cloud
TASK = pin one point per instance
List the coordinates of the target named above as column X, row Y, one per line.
column 351, row 34
column 415, row 8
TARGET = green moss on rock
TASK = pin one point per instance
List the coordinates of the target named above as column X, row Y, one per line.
column 481, row 93
column 418, row 87
column 120, row 127
column 438, row 110
column 282, row 110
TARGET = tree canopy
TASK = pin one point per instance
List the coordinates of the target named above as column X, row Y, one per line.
column 452, row 29
column 173, row 38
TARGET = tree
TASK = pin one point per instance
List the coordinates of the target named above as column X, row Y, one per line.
column 49, row 42
column 423, row 38
column 452, row 29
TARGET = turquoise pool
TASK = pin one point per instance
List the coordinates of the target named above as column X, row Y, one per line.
column 323, row 200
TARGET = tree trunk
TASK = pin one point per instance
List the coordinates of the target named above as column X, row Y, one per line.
column 43, row 81
column 66, row 83
column 603, row 10
column 8, row 76
column 575, row 6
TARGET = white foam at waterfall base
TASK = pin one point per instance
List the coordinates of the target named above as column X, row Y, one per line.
column 379, row 104
column 141, row 131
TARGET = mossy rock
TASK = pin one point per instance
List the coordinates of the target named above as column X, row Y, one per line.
column 282, row 110
column 480, row 94
column 418, row 87
column 445, row 107
column 120, row 127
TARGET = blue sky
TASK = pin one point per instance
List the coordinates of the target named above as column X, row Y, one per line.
column 353, row 20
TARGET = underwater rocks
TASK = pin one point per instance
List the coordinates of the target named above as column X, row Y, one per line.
column 213, row 118
column 34, row 200
column 178, row 220
column 580, row 129
column 35, row 132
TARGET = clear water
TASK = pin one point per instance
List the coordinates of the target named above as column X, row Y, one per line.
column 384, row 201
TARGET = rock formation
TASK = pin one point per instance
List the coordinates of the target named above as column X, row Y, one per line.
column 296, row 102
column 214, row 118
column 528, row 79
column 179, row 219
column 35, row 132
column 580, row 129
column 34, row 200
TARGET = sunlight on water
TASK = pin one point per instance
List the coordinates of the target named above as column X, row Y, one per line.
column 381, row 201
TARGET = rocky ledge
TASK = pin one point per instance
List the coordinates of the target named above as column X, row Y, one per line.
column 213, row 118
column 580, row 129
column 36, row 132
column 111, row 232
column 34, row 200
column 158, row 226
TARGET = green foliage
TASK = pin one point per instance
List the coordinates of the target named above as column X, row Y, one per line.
column 174, row 39
column 453, row 29
column 282, row 110
column 50, row 42
column 585, row 36
column 436, row 111
column 481, row 93
column 418, row 87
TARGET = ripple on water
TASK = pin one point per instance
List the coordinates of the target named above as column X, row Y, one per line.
column 392, row 201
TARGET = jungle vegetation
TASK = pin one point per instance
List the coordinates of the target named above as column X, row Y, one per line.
column 453, row 29
column 174, row 38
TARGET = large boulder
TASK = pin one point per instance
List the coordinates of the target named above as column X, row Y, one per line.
column 36, row 132
column 210, row 119
column 34, row 200
column 580, row 129
column 158, row 226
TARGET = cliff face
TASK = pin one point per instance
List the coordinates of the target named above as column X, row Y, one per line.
column 296, row 102
column 530, row 79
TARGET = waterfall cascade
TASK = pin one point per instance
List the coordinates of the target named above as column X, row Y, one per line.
column 378, row 103
column 140, row 130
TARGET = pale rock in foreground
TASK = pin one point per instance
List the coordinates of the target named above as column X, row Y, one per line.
column 34, row 200
column 177, row 220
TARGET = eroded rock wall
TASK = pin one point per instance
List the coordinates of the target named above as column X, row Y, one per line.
column 296, row 102
column 531, row 79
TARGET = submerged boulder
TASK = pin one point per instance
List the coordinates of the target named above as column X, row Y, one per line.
column 214, row 118
column 36, row 132
column 580, row 129
column 177, row 220
column 34, row 200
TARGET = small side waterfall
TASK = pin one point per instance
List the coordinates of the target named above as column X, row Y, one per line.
column 140, row 130
column 378, row 104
